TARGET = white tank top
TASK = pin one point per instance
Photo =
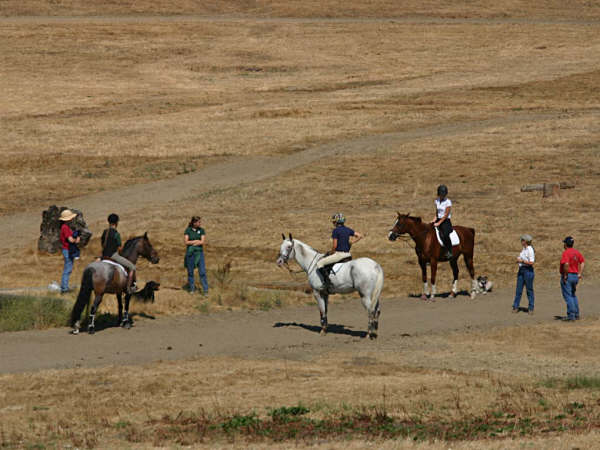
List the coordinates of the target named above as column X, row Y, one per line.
column 441, row 207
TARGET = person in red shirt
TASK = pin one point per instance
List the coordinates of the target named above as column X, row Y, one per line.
column 571, row 270
column 66, row 237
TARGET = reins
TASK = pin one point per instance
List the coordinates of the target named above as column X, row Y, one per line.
column 290, row 271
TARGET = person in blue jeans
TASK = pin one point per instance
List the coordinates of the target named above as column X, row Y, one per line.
column 195, row 238
column 66, row 239
column 525, row 274
column 572, row 263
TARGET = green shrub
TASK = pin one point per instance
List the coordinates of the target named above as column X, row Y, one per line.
column 28, row 312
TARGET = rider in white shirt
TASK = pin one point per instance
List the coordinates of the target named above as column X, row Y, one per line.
column 443, row 213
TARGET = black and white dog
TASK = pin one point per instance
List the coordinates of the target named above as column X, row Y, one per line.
column 484, row 285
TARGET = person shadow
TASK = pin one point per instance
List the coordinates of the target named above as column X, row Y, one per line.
column 331, row 328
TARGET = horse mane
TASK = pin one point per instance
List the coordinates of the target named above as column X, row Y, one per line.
column 306, row 245
column 407, row 216
column 129, row 244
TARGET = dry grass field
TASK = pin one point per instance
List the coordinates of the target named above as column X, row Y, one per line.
column 482, row 96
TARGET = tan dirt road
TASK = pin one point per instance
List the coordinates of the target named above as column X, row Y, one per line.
column 290, row 333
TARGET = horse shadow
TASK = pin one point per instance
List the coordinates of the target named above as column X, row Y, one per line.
column 331, row 328
column 443, row 294
column 108, row 320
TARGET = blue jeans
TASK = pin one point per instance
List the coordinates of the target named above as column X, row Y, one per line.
column 568, row 292
column 191, row 262
column 524, row 277
column 67, row 269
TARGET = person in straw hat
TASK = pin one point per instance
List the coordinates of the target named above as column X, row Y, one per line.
column 66, row 238
column 525, row 274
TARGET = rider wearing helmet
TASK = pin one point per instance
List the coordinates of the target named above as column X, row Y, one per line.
column 343, row 238
column 111, row 246
column 443, row 207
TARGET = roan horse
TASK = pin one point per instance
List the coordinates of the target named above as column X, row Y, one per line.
column 363, row 275
column 429, row 250
column 105, row 277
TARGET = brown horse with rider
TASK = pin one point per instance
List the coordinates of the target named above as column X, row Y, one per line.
column 430, row 251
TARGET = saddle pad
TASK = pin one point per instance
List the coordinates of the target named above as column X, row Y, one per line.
column 336, row 268
column 453, row 237
column 119, row 266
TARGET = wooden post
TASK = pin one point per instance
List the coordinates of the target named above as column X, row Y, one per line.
column 550, row 189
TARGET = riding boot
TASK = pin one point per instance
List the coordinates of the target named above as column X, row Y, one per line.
column 326, row 282
column 131, row 286
column 449, row 253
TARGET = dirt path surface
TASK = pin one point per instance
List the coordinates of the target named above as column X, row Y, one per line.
column 190, row 18
column 19, row 228
column 290, row 333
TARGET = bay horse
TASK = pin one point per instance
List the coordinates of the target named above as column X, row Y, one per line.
column 363, row 275
column 107, row 277
column 430, row 251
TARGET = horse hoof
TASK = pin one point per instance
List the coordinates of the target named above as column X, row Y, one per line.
column 372, row 335
column 91, row 330
column 75, row 331
column 452, row 294
column 323, row 332
column 126, row 324
column 473, row 295
column 424, row 297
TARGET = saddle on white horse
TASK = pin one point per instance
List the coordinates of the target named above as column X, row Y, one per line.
column 117, row 265
column 454, row 239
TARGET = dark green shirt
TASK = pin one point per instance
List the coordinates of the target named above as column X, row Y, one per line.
column 111, row 241
column 194, row 234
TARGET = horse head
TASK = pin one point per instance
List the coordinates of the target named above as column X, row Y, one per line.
column 286, row 250
column 146, row 250
column 399, row 227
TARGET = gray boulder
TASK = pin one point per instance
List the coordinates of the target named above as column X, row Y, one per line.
column 49, row 240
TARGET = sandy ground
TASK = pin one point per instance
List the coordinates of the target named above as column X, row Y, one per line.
column 289, row 334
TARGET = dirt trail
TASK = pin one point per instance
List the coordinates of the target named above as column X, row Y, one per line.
column 290, row 333
column 190, row 18
column 19, row 228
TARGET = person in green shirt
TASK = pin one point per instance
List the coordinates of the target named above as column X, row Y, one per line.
column 195, row 238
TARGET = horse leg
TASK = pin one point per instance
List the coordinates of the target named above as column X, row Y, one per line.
column 423, row 265
column 322, row 302
column 126, row 323
column 433, row 264
column 372, row 306
column 120, row 303
column 91, row 326
column 454, row 265
column 471, row 269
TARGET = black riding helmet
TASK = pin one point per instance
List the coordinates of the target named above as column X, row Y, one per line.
column 569, row 241
column 442, row 190
column 113, row 218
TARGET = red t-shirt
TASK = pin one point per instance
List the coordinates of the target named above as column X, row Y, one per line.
column 573, row 258
column 65, row 233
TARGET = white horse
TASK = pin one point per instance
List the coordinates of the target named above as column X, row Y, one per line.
column 363, row 275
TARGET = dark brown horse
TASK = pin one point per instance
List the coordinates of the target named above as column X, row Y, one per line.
column 430, row 251
column 106, row 277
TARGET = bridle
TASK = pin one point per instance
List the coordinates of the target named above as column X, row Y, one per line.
column 403, row 235
column 286, row 258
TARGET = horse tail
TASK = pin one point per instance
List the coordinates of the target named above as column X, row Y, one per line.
column 378, row 288
column 87, row 285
